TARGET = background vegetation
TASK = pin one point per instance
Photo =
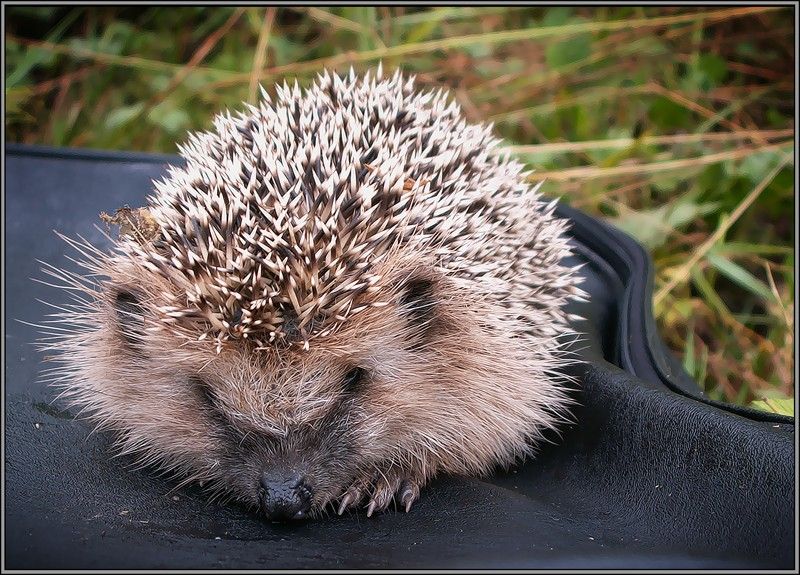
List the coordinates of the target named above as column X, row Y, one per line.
column 675, row 124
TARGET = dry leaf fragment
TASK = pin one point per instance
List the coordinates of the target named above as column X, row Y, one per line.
column 137, row 223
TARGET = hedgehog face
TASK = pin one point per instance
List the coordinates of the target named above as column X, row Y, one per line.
column 287, row 428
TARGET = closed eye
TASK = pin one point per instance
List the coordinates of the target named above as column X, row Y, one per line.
column 354, row 378
column 204, row 391
column 213, row 409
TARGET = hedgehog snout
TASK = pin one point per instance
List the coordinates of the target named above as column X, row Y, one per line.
column 284, row 496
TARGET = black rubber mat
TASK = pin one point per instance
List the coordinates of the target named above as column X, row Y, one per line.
column 653, row 475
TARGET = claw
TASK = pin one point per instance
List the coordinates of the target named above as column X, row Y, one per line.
column 410, row 493
column 345, row 503
column 408, row 500
column 380, row 492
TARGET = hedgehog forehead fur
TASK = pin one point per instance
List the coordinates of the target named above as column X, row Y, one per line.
column 277, row 225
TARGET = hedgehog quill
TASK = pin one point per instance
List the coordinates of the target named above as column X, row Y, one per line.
column 339, row 296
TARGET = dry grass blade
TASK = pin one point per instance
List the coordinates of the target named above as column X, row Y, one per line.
column 344, row 23
column 787, row 317
column 260, row 57
column 592, row 172
column 695, row 107
column 199, row 55
column 112, row 59
column 585, row 97
column 683, row 272
column 756, row 135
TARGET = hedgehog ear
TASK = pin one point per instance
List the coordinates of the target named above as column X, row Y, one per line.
column 417, row 300
column 130, row 316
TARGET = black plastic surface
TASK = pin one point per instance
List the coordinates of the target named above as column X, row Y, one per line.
column 653, row 475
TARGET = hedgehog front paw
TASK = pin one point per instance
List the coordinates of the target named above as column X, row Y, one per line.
column 380, row 489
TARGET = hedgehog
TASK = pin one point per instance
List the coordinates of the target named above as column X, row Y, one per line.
column 335, row 298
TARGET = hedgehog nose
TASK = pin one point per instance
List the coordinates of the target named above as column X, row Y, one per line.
column 284, row 498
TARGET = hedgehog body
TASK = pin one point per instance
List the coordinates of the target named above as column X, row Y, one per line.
column 339, row 296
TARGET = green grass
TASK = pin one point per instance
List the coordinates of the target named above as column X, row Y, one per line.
column 676, row 124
